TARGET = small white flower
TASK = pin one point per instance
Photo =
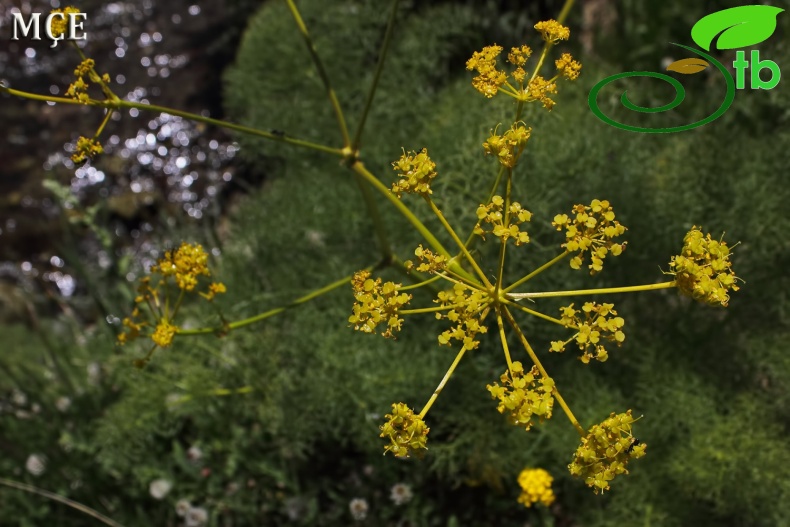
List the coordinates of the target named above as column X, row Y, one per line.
column 401, row 493
column 159, row 488
column 359, row 508
column 19, row 398
column 94, row 372
column 194, row 453
column 35, row 408
column 63, row 403
column 36, row 464
column 182, row 507
column 196, row 517
column 172, row 401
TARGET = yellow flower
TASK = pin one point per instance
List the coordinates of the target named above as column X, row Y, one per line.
column 591, row 229
column 600, row 323
column 214, row 289
column 568, row 67
column 416, row 173
column 553, row 31
column 535, row 487
column 489, row 79
column 86, row 149
column 164, row 333
column 406, row 431
column 537, row 90
column 59, row 25
column 523, row 395
column 703, row 269
column 466, row 315
column 430, row 262
column 508, row 147
column 185, row 264
column 605, row 451
column 376, row 303
column 494, row 214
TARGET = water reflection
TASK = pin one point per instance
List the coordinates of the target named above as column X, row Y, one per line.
column 153, row 51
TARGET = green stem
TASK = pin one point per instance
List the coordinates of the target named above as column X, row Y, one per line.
column 376, row 76
column 420, row 284
column 341, row 120
column 536, row 272
column 506, row 224
column 458, row 241
column 446, row 378
column 543, row 372
column 427, row 309
column 49, row 98
column 262, row 316
column 60, row 499
column 95, row 77
column 375, row 216
column 566, row 9
column 503, row 338
column 604, row 291
column 536, row 314
column 224, row 124
column 359, row 168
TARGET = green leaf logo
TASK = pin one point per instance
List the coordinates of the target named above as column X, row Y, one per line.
column 737, row 27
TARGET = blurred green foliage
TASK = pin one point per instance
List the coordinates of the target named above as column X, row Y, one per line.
column 712, row 384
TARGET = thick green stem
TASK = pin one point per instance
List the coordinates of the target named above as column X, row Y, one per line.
column 359, row 168
column 458, row 242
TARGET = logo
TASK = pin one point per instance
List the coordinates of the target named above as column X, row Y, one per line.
column 738, row 27
column 69, row 23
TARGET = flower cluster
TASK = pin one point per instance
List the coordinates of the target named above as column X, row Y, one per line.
column 605, row 451
column 538, row 90
column 469, row 306
column 184, row 264
column 600, row 323
column 591, row 229
column 430, row 262
column 568, row 67
column 416, row 173
column 493, row 214
column 703, row 269
column 508, row 147
column 552, row 31
column 152, row 308
column 59, row 25
column 375, row 302
column 489, row 79
column 521, row 395
column 535, row 486
column 518, row 57
column 78, row 89
column 406, row 431
column 86, row 149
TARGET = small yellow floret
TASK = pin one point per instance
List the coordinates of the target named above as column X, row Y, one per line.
column 553, row 31
column 535, row 486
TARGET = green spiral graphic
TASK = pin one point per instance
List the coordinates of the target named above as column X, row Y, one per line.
column 680, row 94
